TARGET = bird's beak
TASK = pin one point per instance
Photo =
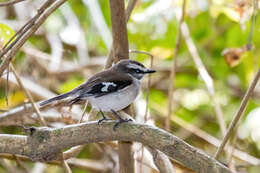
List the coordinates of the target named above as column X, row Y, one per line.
column 150, row 71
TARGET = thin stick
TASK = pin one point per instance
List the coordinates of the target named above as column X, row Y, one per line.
column 20, row 163
column 12, row 2
column 28, row 94
column 204, row 75
column 7, row 85
column 173, row 70
column 239, row 113
column 23, row 38
column 84, row 111
column 18, row 35
column 249, row 47
column 129, row 9
column 253, row 19
column 66, row 166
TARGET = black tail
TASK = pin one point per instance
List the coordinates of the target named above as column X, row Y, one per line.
column 59, row 97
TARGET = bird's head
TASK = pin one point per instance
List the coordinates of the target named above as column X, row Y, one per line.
column 134, row 68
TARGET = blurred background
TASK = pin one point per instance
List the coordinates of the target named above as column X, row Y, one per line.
column 74, row 42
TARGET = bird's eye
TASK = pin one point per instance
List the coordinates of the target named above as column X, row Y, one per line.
column 137, row 71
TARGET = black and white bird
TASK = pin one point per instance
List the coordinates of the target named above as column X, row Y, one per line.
column 109, row 91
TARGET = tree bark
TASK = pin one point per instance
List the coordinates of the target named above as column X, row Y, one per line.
column 120, row 51
column 45, row 144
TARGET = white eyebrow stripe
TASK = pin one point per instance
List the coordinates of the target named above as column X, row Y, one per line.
column 135, row 66
column 106, row 85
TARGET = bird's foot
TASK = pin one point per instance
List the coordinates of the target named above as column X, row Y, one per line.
column 103, row 119
column 120, row 121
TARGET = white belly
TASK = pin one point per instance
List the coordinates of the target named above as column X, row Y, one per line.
column 117, row 100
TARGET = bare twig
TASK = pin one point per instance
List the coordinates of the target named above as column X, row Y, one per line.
column 249, row 47
column 239, row 113
column 18, row 35
column 28, row 94
column 253, row 19
column 173, row 70
column 11, row 2
column 59, row 138
column 129, row 9
column 84, row 111
column 65, row 165
column 33, row 26
column 7, row 85
column 204, row 75
column 20, row 163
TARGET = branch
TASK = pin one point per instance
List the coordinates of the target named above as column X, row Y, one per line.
column 173, row 69
column 204, row 75
column 239, row 113
column 34, row 25
column 120, row 51
column 12, row 2
column 29, row 96
column 45, row 144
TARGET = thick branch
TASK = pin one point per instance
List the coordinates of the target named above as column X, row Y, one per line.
column 119, row 31
column 46, row 143
column 120, row 51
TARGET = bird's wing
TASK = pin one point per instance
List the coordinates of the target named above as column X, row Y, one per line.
column 103, row 85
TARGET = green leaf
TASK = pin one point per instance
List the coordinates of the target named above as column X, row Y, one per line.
column 5, row 33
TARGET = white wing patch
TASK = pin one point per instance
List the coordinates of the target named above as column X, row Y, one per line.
column 106, row 85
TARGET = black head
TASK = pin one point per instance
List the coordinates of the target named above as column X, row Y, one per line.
column 133, row 68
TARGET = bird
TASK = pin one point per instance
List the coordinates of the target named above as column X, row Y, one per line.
column 111, row 90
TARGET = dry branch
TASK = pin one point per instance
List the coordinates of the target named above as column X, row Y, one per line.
column 34, row 25
column 28, row 94
column 45, row 144
column 239, row 113
column 173, row 69
column 12, row 2
column 204, row 75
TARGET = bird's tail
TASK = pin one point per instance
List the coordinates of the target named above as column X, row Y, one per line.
column 59, row 97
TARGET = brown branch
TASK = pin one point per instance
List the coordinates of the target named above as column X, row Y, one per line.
column 29, row 96
column 129, row 10
column 204, row 75
column 207, row 137
column 45, row 144
column 12, row 2
column 239, row 113
column 173, row 70
column 21, row 39
column 120, row 51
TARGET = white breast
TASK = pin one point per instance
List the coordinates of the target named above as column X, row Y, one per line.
column 117, row 100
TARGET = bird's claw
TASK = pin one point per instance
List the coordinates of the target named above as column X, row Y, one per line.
column 120, row 121
column 104, row 119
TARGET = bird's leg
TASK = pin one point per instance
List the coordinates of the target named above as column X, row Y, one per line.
column 104, row 118
column 120, row 119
